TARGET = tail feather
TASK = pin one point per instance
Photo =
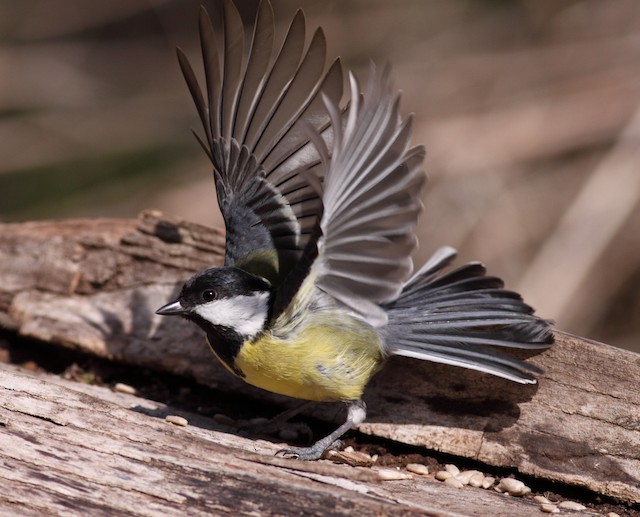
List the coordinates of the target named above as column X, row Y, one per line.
column 459, row 317
column 518, row 371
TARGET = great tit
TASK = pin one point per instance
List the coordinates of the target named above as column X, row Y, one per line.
column 320, row 203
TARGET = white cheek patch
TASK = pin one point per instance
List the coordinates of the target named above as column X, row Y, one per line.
column 244, row 314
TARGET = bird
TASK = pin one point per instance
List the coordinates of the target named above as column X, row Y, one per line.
column 320, row 200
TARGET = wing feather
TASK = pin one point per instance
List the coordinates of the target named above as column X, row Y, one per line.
column 255, row 73
column 371, row 200
column 211, row 61
column 277, row 82
column 256, row 113
column 296, row 98
column 233, row 58
column 198, row 99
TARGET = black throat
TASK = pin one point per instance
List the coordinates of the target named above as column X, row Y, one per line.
column 224, row 341
column 226, row 347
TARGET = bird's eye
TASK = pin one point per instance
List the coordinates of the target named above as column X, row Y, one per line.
column 209, row 295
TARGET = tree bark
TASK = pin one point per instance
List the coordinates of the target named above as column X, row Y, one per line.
column 73, row 449
column 94, row 285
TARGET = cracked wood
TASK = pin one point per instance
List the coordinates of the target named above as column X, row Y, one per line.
column 94, row 285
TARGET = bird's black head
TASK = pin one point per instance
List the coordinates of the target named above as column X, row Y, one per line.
column 224, row 300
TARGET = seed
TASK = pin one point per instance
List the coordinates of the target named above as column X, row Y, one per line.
column 453, row 482
column 392, row 475
column 374, row 458
column 177, row 420
column 418, row 468
column 572, row 505
column 612, row 514
column 488, row 482
column 121, row 387
column 476, row 480
column 443, row 475
column 540, row 499
column 513, row 487
column 466, row 475
column 348, row 449
column 452, row 469
column 549, row 508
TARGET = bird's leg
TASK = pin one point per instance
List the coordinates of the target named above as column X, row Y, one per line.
column 356, row 414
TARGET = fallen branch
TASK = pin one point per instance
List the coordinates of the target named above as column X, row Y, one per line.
column 94, row 286
column 72, row 449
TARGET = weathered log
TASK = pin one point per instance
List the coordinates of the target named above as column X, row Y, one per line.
column 73, row 449
column 94, row 285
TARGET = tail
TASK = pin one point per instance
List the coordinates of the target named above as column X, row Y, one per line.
column 458, row 318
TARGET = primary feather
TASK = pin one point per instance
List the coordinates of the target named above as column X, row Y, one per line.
column 256, row 113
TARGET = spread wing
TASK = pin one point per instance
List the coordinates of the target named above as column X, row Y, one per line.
column 256, row 111
column 371, row 201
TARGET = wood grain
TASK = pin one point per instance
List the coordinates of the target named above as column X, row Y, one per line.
column 73, row 449
column 94, row 286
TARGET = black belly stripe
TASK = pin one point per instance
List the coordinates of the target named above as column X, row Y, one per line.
column 226, row 344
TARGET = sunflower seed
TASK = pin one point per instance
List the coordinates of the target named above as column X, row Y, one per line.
column 177, row 420
column 418, row 468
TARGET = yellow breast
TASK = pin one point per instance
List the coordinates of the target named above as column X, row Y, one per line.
column 319, row 362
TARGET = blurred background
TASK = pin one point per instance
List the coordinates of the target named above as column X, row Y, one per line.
column 529, row 111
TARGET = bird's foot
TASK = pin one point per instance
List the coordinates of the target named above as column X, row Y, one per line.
column 315, row 452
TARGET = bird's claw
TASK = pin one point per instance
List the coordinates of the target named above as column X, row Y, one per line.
column 315, row 452
column 300, row 453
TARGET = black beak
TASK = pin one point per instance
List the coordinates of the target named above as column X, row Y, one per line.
column 171, row 309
